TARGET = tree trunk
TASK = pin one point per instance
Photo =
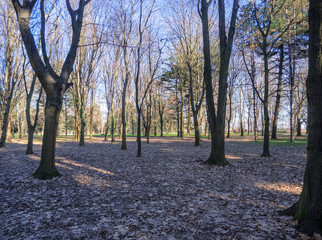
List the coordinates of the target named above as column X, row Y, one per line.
column 196, row 126
column 161, row 124
column 278, row 93
column 112, row 126
column 241, row 127
column 126, row 82
column 47, row 168
column 30, row 140
column 299, row 127
column 32, row 127
column 106, row 132
column 66, row 118
column 211, row 113
column 82, row 130
column 5, row 123
column 123, row 147
column 266, row 114
column 20, row 128
column 139, row 135
column 181, row 112
column 230, row 114
column 308, row 210
column 189, row 119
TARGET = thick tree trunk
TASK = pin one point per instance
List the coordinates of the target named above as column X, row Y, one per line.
column 47, row 168
column 278, row 93
column 308, row 210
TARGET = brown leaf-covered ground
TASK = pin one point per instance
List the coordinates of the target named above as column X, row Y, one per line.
column 108, row 193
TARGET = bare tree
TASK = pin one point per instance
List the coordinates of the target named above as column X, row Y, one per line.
column 217, row 122
column 12, row 63
column 54, row 85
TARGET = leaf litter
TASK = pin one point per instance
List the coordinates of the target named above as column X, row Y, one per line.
column 108, row 193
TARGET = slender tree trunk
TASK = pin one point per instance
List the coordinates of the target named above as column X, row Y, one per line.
column 189, row 119
column 106, row 132
column 241, row 127
column 196, row 126
column 230, row 114
column 161, row 122
column 5, row 123
column 66, row 119
column 91, row 113
column 32, row 127
column 291, row 87
column 126, row 82
column 211, row 113
column 139, row 135
column 278, row 93
column 299, row 127
column 20, row 128
column 181, row 112
column 266, row 114
column 112, row 125
column 82, row 129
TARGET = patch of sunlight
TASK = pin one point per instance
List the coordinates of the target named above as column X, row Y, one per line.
column 86, row 166
column 88, row 180
column 63, row 166
column 280, row 187
column 33, row 157
column 233, row 157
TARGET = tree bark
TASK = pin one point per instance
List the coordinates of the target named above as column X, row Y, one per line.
column 217, row 125
column 299, row 127
column 126, row 82
column 308, row 210
column 139, row 135
column 266, row 114
column 211, row 113
column 47, row 168
column 278, row 93
column 5, row 123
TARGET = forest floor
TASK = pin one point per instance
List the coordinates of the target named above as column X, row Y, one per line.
column 108, row 193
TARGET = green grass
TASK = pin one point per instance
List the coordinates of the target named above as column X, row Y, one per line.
column 285, row 141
